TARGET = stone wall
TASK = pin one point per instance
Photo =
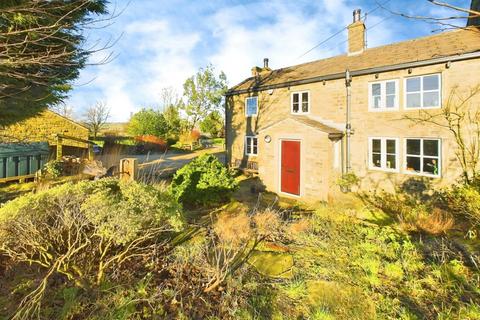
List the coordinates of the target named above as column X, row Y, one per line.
column 328, row 102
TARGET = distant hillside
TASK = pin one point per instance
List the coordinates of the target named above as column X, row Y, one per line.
column 115, row 128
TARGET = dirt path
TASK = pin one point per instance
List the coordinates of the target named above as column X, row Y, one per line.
column 165, row 165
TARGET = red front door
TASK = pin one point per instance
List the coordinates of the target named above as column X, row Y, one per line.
column 290, row 167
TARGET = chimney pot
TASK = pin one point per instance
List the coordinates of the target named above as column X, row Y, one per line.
column 265, row 63
column 356, row 15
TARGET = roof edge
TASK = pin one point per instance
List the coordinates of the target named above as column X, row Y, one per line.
column 361, row 72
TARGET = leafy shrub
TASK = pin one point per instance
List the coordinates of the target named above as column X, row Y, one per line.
column 347, row 181
column 463, row 200
column 53, row 169
column 85, row 232
column 203, row 181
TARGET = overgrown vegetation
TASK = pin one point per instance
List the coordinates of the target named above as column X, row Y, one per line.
column 83, row 235
column 112, row 250
column 204, row 181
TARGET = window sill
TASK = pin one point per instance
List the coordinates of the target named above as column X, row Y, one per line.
column 383, row 170
column 419, row 174
column 383, row 109
column 421, row 108
column 299, row 113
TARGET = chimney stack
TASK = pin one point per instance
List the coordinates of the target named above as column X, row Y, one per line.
column 356, row 34
column 257, row 71
column 474, row 19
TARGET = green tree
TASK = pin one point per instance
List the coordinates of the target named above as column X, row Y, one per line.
column 213, row 124
column 43, row 48
column 203, row 93
column 148, row 122
column 173, row 120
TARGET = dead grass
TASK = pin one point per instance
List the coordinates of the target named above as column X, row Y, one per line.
column 438, row 222
column 233, row 228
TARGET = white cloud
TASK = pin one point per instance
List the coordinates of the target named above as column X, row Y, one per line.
column 152, row 55
column 156, row 53
column 288, row 33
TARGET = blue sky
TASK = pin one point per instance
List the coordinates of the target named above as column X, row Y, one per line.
column 160, row 43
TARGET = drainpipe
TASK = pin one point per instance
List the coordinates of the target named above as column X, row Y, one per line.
column 348, row 127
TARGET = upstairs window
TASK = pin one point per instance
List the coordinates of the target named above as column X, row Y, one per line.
column 423, row 156
column 384, row 154
column 251, row 146
column 301, row 102
column 251, row 106
column 423, row 92
column 383, row 95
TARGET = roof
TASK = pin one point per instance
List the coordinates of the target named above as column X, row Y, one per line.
column 305, row 120
column 446, row 44
column 68, row 119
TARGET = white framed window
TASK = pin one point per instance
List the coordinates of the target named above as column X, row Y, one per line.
column 251, row 145
column 300, row 102
column 423, row 92
column 251, row 106
column 383, row 95
column 423, row 156
column 384, row 154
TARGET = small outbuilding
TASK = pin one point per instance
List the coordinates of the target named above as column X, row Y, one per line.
column 28, row 144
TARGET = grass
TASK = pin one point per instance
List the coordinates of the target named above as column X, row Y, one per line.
column 354, row 262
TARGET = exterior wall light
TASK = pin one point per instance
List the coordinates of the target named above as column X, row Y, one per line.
column 267, row 138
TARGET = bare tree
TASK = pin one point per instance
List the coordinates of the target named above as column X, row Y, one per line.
column 96, row 117
column 63, row 109
column 169, row 97
column 461, row 116
column 453, row 14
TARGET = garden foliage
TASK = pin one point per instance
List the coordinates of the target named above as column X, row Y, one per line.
column 85, row 233
column 204, row 181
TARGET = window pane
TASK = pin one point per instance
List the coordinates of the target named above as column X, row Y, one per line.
column 391, row 162
column 376, row 145
column 413, row 84
column 430, row 148
column 390, row 87
column 413, row 146
column 376, row 89
column 249, row 145
column 431, row 82
column 295, row 98
column 413, row 100
column 413, row 164
column 295, row 107
column 305, row 107
column 377, row 102
column 430, row 165
column 376, row 159
column 252, row 106
column 390, row 101
column 431, row 99
column 305, row 97
column 391, row 146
